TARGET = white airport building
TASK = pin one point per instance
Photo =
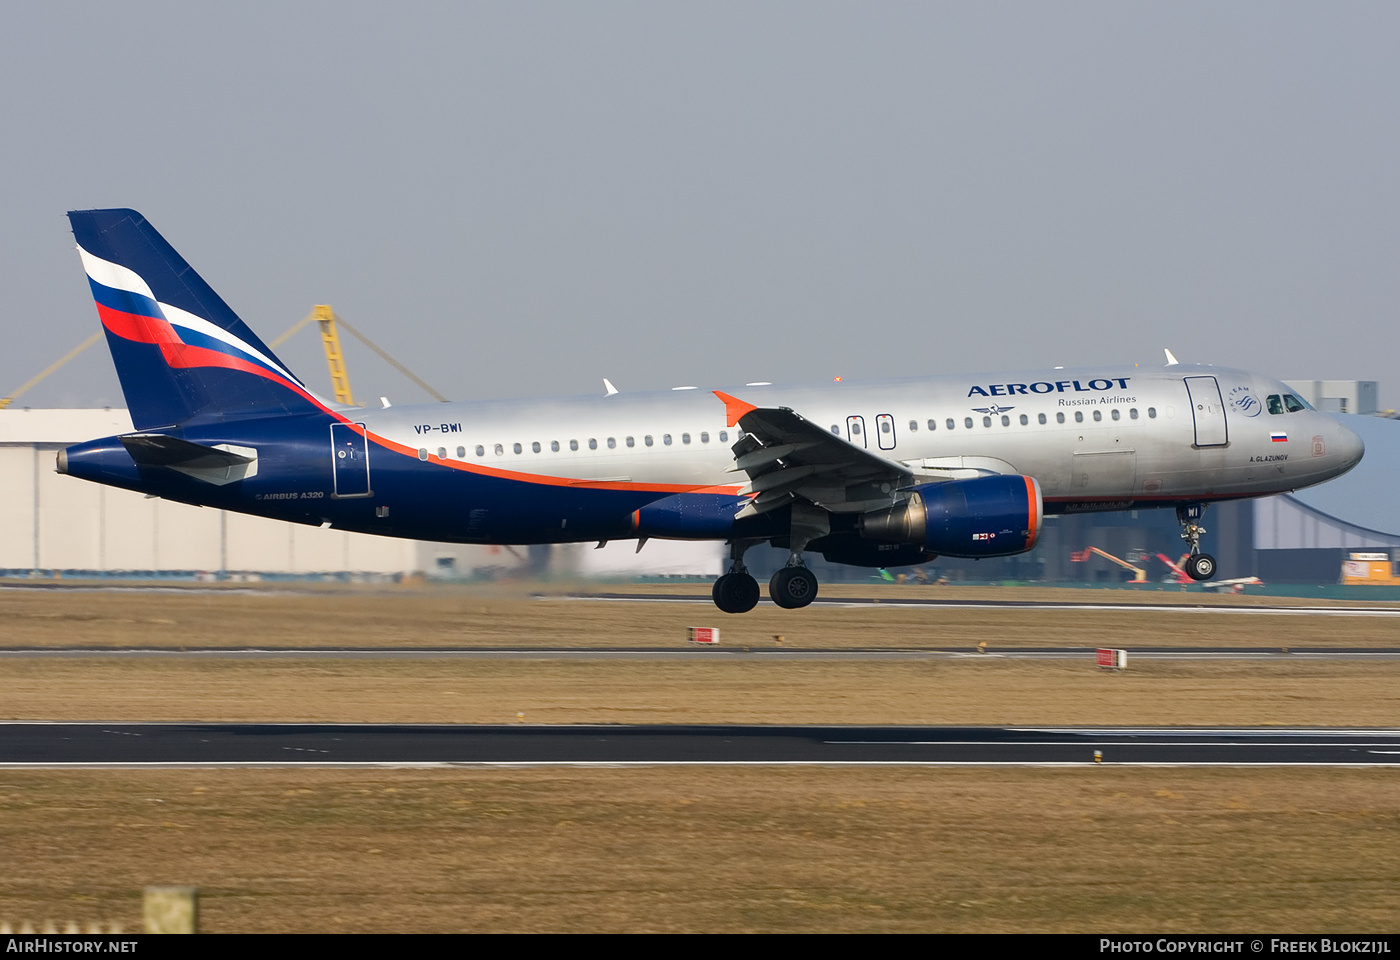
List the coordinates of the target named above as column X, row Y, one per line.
column 52, row 522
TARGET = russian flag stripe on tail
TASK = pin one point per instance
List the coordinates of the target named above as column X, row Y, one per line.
column 181, row 353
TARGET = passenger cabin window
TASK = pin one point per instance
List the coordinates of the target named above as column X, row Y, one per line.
column 704, row 436
column 1152, row 413
column 480, row 450
column 1132, row 413
column 573, row 444
column 516, row 447
column 1060, row 417
column 967, row 422
column 1005, row 420
column 1025, row 419
column 442, row 453
column 422, row 453
column 461, row 453
column 666, row 439
column 1041, row 418
column 1079, row 416
column 855, row 428
column 592, row 443
column 724, row 436
column 647, row 440
column 913, row 426
column 554, row 446
column 500, row 450
column 535, row 447
column 631, row 441
column 986, row 421
column 612, row 443
column 886, row 426
column 933, row 424
column 951, row 424
column 835, row 430
column 1098, row 415
column 685, row 438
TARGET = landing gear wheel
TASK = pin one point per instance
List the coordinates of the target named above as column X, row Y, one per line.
column 793, row 587
column 735, row 593
column 1200, row 567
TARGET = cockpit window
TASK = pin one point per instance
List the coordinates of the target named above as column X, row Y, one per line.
column 1275, row 403
column 1293, row 404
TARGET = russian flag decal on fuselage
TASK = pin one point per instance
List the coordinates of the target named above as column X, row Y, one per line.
column 1279, row 437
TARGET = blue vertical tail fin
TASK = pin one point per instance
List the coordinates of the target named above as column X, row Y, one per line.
column 181, row 353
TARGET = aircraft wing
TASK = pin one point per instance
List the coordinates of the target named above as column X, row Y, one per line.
column 787, row 457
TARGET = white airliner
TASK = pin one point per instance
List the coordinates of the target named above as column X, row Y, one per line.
column 875, row 474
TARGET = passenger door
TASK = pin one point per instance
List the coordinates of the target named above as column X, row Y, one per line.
column 1208, row 410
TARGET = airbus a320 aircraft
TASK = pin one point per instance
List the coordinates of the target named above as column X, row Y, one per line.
column 876, row 475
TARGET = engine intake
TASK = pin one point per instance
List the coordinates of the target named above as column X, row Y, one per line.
column 985, row 517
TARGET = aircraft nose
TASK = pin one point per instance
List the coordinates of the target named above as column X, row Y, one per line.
column 1349, row 447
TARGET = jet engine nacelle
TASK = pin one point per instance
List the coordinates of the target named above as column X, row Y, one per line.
column 986, row 517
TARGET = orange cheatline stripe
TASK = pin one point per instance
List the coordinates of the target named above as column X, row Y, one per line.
column 552, row 481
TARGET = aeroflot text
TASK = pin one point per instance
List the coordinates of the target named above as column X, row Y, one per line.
column 1321, row 945
column 1045, row 386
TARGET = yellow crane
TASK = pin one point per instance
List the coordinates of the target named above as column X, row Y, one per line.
column 14, row 395
column 330, row 341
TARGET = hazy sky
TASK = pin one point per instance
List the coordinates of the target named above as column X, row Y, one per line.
column 521, row 198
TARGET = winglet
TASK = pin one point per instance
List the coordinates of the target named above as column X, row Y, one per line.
column 607, row 385
column 734, row 408
column 1171, row 360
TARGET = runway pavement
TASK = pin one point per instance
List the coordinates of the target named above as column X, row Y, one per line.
column 25, row 745
column 895, row 600
column 693, row 653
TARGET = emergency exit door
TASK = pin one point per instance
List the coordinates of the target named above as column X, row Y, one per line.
column 855, row 430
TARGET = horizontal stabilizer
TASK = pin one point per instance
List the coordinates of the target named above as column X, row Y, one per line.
column 218, row 465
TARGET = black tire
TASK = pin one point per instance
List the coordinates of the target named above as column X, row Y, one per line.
column 1200, row 567
column 735, row 593
column 793, row 587
column 717, row 591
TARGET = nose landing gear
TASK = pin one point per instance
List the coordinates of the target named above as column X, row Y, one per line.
column 1199, row 566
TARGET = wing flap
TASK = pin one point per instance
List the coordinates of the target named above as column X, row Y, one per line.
column 787, row 456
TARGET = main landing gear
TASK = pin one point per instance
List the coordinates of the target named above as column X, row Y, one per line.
column 1199, row 566
column 737, row 590
column 793, row 587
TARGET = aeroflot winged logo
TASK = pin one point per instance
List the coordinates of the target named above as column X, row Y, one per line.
column 1048, row 386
